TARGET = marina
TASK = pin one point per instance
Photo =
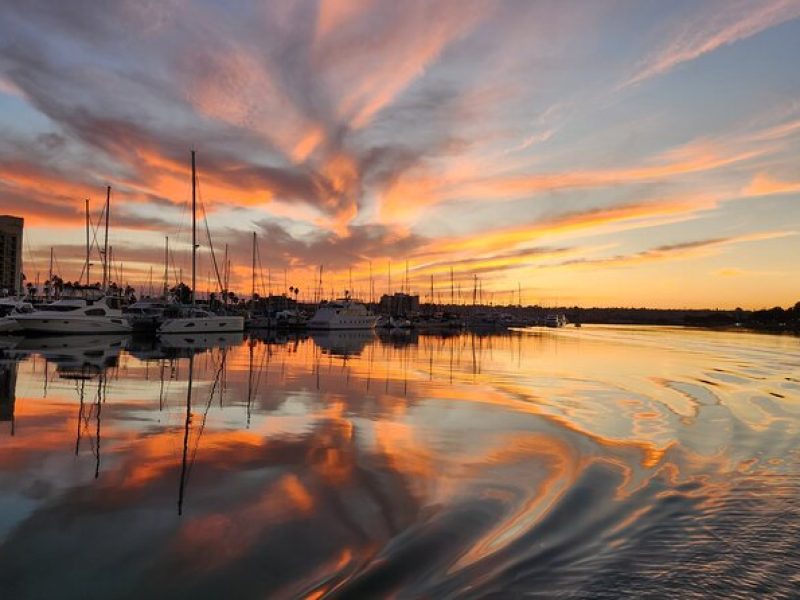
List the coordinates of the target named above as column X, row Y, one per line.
column 432, row 299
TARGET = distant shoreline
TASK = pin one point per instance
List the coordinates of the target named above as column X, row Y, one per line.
column 776, row 319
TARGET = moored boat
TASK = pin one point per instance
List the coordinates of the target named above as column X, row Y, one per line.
column 344, row 313
column 198, row 320
column 93, row 312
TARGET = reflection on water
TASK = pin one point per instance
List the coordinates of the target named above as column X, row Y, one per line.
column 599, row 462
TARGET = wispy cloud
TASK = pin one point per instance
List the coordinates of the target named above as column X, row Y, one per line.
column 716, row 25
column 763, row 184
column 681, row 251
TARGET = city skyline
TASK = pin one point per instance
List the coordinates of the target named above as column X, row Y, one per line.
column 598, row 154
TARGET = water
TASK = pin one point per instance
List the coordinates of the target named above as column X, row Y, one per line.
column 600, row 462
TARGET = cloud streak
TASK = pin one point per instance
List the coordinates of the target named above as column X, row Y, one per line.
column 719, row 24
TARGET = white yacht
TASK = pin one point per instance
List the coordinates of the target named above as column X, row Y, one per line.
column 555, row 320
column 342, row 314
column 76, row 315
column 198, row 320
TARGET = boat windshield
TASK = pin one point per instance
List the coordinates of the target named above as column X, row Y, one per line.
column 59, row 307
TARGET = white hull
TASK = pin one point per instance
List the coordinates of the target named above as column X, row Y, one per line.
column 210, row 324
column 59, row 323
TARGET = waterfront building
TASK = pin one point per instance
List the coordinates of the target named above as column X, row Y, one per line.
column 399, row 304
column 10, row 254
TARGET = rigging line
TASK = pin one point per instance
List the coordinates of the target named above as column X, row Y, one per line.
column 208, row 235
column 260, row 370
column 211, row 247
column 174, row 267
column 260, row 271
column 30, row 258
column 57, row 263
column 205, row 415
column 93, row 243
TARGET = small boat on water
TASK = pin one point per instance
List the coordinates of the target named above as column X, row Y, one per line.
column 555, row 320
column 290, row 319
column 399, row 322
column 440, row 320
column 344, row 313
column 89, row 311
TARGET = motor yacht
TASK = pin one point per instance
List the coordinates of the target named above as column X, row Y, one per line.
column 344, row 313
column 553, row 320
column 87, row 314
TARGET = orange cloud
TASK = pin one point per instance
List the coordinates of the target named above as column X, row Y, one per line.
column 765, row 185
column 409, row 196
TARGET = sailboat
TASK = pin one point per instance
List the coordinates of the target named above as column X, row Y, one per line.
column 193, row 319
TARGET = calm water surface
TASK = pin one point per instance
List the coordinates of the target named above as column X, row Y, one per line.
column 600, row 462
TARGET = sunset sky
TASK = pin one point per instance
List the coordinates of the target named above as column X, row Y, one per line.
column 593, row 153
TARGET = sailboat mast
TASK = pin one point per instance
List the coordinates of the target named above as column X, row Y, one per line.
column 371, row 285
column 166, row 265
column 106, row 271
column 50, row 270
column 225, row 275
column 253, row 270
column 87, row 241
column 452, row 289
column 194, row 227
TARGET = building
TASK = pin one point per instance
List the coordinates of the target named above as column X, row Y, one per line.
column 399, row 304
column 10, row 254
